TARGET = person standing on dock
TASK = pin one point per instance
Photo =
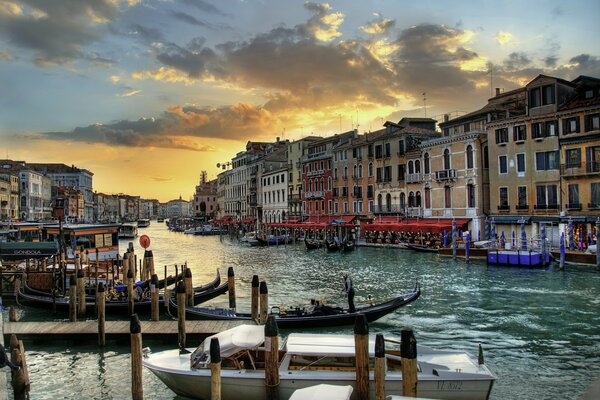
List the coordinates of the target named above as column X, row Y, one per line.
column 349, row 289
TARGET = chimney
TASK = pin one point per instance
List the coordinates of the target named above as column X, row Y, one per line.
column 277, row 139
column 446, row 117
column 497, row 91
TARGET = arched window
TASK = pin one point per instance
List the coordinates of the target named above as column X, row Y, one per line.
column 379, row 202
column 470, row 195
column 370, row 170
column 335, row 174
column 388, row 202
column 411, row 199
column 427, row 197
column 310, row 185
column 426, row 163
column 322, row 184
column 355, row 171
column 418, row 166
column 329, row 183
column 411, row 169
column 446, row 159
column 360, row 172
column 469, row 156
column 345, row 172
column 418, row 199
column 402, row 200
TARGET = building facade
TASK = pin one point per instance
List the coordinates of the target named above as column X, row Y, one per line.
column 35, row 196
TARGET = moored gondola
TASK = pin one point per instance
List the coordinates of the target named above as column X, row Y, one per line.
column 333, row 245
column 312, row 244
column 316, row 315
column 348, row 246
column 421, row 248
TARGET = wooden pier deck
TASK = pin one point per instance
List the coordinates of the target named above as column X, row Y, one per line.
column 88, row 330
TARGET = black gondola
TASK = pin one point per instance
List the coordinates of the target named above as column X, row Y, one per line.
column 315, row 316
column 421, row 248
column 119, row 306
column 348, row 245
column 333, row 245
column 312, row 244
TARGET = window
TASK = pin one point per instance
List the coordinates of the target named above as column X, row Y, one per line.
column 469, row 157
column 345, row 191
column 418, row 166
column 387, row 174
column 335, row 174
column 360, row 171
column 447, row 197
column 520, row 133
column 521, row 164
column 402, row 200
column 573, row 158
column 502, row 164
column 573, row 193
column 470, row 195
column 592, row 155
column 411, row 199
column 370, row 206
column 370, row 151
column 503, row 203
column 446, row 159
column 336, row 208
column 571, row 125
column 388, row 150
column 370, row 191
column 594, row 195
column 592, row 122
column 546, row 160
column 401, row 150
column 535, row 98
column 370, row 170
column 401, row 172
column 426, row 163
column 427, row 197
column 542, row 96
column 501, row 135
column 378, row 151
column 417, row 199
column 345, row 207
column 546, row 197
column 522, row 197
column 466, row 127
column 345, row 172
column 411, row 169
column 354, row 207
column 379, row 177
column 548, row 95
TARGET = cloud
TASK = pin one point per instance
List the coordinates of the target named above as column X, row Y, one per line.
column 323, row 25
column 129, row 93
column 205, row 7
column 378, row 27
column 516, row 61
column 190, row 19
column 504, row 38
column 4, row 56
column 550, row 61
column 55, row 32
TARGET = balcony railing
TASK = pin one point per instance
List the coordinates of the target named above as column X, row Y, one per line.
column 594, row 206
column 413, row 178
column 392, row 208
column 504, row 207
column 295, row 197
column 314, row 194
column 547, row 206
column 317, row 172
column 574, row 206
column 522, row 207
column 445, row 174
column 578, row 169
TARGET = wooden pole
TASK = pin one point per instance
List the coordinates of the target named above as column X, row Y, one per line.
column 361, row 348
column 130, row 294
column 80, row 293
column 231, row 287
column 264, row 302
column 181, row 314
column 154, row 293
column 137, row 388
column 101, row 302
column 254, row 300
column 73, row 299
column 97, row 266
column 167, row 293
column 408, row 354
column 189, row 287
column 12, row 314
column 379, row 367
column 20, row 377
column 272, row 358
column 215, row 369
column 125, row 268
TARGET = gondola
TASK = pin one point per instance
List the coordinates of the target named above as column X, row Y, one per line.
column 312, row 244
column 421, row 248
column 315, row 316
column 274, row 240
column 118, row 306
column 348, row 246
column 333, row 245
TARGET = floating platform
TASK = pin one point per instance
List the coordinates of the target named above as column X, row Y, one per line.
column 522, row 258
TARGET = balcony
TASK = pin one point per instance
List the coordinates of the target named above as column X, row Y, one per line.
column 445, row 175
column 580, row 169
column 504, row 207
column 315, row 194
column 295, row 198
column 594, row 206
column 522, row 207
column 313, row 173
column 574, row 206
column 413, row 178
column 383, row 209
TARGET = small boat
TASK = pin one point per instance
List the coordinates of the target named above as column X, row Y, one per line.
column 272, row 240
column 333, row 245
column 128, row 231
column 347, row 246
column 312, row 244
column 160, row 219
column 577, row 257
column 248, row 236
column 421, row 248
column 143, row 223
column 312, row 359
column 316, row 315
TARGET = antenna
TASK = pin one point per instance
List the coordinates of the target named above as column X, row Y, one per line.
column 425, row 103
column 340, row 122
column 491, row 81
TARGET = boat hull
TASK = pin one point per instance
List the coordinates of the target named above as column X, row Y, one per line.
column 249, row 384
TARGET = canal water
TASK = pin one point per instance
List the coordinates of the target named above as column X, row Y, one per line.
column 539, row 328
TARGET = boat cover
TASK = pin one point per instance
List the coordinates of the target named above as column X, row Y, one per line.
column 236, row 339
column 310, row 344
column 319, row 392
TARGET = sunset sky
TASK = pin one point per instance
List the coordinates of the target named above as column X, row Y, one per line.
column 147, row 93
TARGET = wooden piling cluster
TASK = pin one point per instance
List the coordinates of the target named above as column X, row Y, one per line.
column 20, row 376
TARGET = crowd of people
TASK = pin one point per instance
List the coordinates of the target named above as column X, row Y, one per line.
column 424, row 238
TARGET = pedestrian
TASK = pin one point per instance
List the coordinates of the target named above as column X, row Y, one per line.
column 349, row 289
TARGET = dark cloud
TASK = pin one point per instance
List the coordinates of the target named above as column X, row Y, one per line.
column 57, row 31
column 145, row 34
column 516, row 61
column 205, row 7
column 582, row 64
column 190, row 19
column 550, row 61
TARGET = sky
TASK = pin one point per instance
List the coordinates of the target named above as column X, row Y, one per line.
column 148, row 93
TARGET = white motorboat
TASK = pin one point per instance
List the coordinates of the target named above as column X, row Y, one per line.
column 309, row 360
column 248, row 237
column 128, row 231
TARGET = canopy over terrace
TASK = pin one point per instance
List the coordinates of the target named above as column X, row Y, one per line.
column 317, row 221
column 226, row 220
column 417, row 226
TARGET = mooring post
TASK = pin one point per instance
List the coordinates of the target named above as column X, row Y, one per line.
column 272, row 358
column 361, row 350
column 215, row 369
column 167, row 293
column 137, row 388
column 101, row 302
column 231, row 287
column 12, row 314
column 154, row 297
column 125, row 269
column 150, row 264
column 20, row 377
column 72, row 299
column 408, row 354
column 181, row 314
column 189, row 287
column 379, row 367
column 80, row 293
column 264, row 302
column 254, row 299
column 130, row 294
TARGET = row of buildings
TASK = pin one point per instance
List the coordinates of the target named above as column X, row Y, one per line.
column 528, row 156
column 28, row 192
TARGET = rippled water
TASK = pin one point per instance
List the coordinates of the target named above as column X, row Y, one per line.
column 540, row 328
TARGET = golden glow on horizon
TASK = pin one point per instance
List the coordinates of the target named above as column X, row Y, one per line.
column 475, row 64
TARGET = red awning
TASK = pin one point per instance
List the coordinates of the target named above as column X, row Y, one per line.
column 248, row 220
column 416, row 226
column 330, row 219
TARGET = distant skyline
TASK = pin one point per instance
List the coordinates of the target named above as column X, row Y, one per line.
column 146, row 94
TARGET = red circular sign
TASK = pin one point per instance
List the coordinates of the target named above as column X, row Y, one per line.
column 145, row 241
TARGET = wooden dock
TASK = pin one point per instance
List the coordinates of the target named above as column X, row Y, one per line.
column 88, row 330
